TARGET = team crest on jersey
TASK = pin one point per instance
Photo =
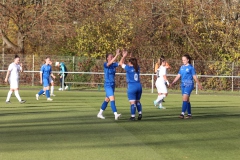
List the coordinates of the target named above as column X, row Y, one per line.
column 187, row 70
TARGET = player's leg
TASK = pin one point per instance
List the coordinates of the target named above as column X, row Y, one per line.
column 162, row 89
column 132, row 95
column 132, row 109
column 9, row 96
column 186, row 91
column 103, row 107
column 138, row 103
column 46, row 83
column 52, row 89
column 61, row 80
column 14, row 87
column 105, row 102
column 10, row 91
column 158, row 88
column 189, row 110
column 65, row 86
column 16, row 92
column 110, row 95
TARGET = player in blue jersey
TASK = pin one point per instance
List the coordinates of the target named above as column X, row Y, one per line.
column 188, row 75
column 109, row 84
column 63, row 74
column 134, row 90
column 45, row 73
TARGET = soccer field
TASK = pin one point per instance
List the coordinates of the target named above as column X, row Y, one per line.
column 68, row 129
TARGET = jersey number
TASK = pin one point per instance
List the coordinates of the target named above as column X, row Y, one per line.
column 136, row 77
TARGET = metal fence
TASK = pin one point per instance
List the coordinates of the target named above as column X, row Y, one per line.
column 214, row 75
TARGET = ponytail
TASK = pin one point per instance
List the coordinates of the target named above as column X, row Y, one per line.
column 134, row 63
column 162, row 60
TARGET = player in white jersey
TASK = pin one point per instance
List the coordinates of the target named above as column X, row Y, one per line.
column 161, row 83
column 157, row 65
column 13, row 78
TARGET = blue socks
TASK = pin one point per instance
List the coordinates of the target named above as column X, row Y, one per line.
column 40, row 92
column 184, row 106
column 104, row 105
column 139, row 107
column 47, row 94
column 133, row 109
column 113, row 106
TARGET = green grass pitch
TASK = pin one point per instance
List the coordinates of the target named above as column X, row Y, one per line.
column 68, row 129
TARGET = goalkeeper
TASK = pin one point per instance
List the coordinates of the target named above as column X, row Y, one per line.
column 63, row 75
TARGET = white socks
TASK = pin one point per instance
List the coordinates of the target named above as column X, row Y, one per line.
column 100, row 112
column 160, row 98
column 52, row 89
column 17, row 95
column 9, row 96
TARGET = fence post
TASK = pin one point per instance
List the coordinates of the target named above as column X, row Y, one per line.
column 193, row 63
column 152, row 82
column 3, row 52
column 73, row 63
column 153, row 77
column 33, row 68
column 232, row 74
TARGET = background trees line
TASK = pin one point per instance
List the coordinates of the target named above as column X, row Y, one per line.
column 206, row 29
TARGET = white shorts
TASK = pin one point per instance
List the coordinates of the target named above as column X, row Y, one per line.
column 13, row 84
column 161, row 87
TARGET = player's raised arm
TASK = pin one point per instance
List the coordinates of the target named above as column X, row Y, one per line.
column 117, row 54
column 123, row 58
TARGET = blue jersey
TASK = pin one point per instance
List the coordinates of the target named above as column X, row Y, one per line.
column 46, row 71
column 187, row 73
column 109, row 72
column 131, row 75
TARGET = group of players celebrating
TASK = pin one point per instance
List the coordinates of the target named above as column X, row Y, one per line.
column 134, row 90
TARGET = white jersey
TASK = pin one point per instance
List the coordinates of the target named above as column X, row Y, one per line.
column 14, row 75
column 161, row 71
column 14, row 71
column 160, row 83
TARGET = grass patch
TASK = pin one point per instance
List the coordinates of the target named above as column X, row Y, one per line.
column 67, row 128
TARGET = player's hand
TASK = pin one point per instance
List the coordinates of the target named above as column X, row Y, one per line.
column 200, row 86
column 171, row 84
column 21, row 64
column 124, row 53
column 60, row 76
column 5, row 80
column 118, row 52
column 167, row 83
column 40, row 82
column 54, row 77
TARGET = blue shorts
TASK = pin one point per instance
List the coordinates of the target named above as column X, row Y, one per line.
column 109, row 89
column 134, row 91
column 187, row 89
column 45, row 82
